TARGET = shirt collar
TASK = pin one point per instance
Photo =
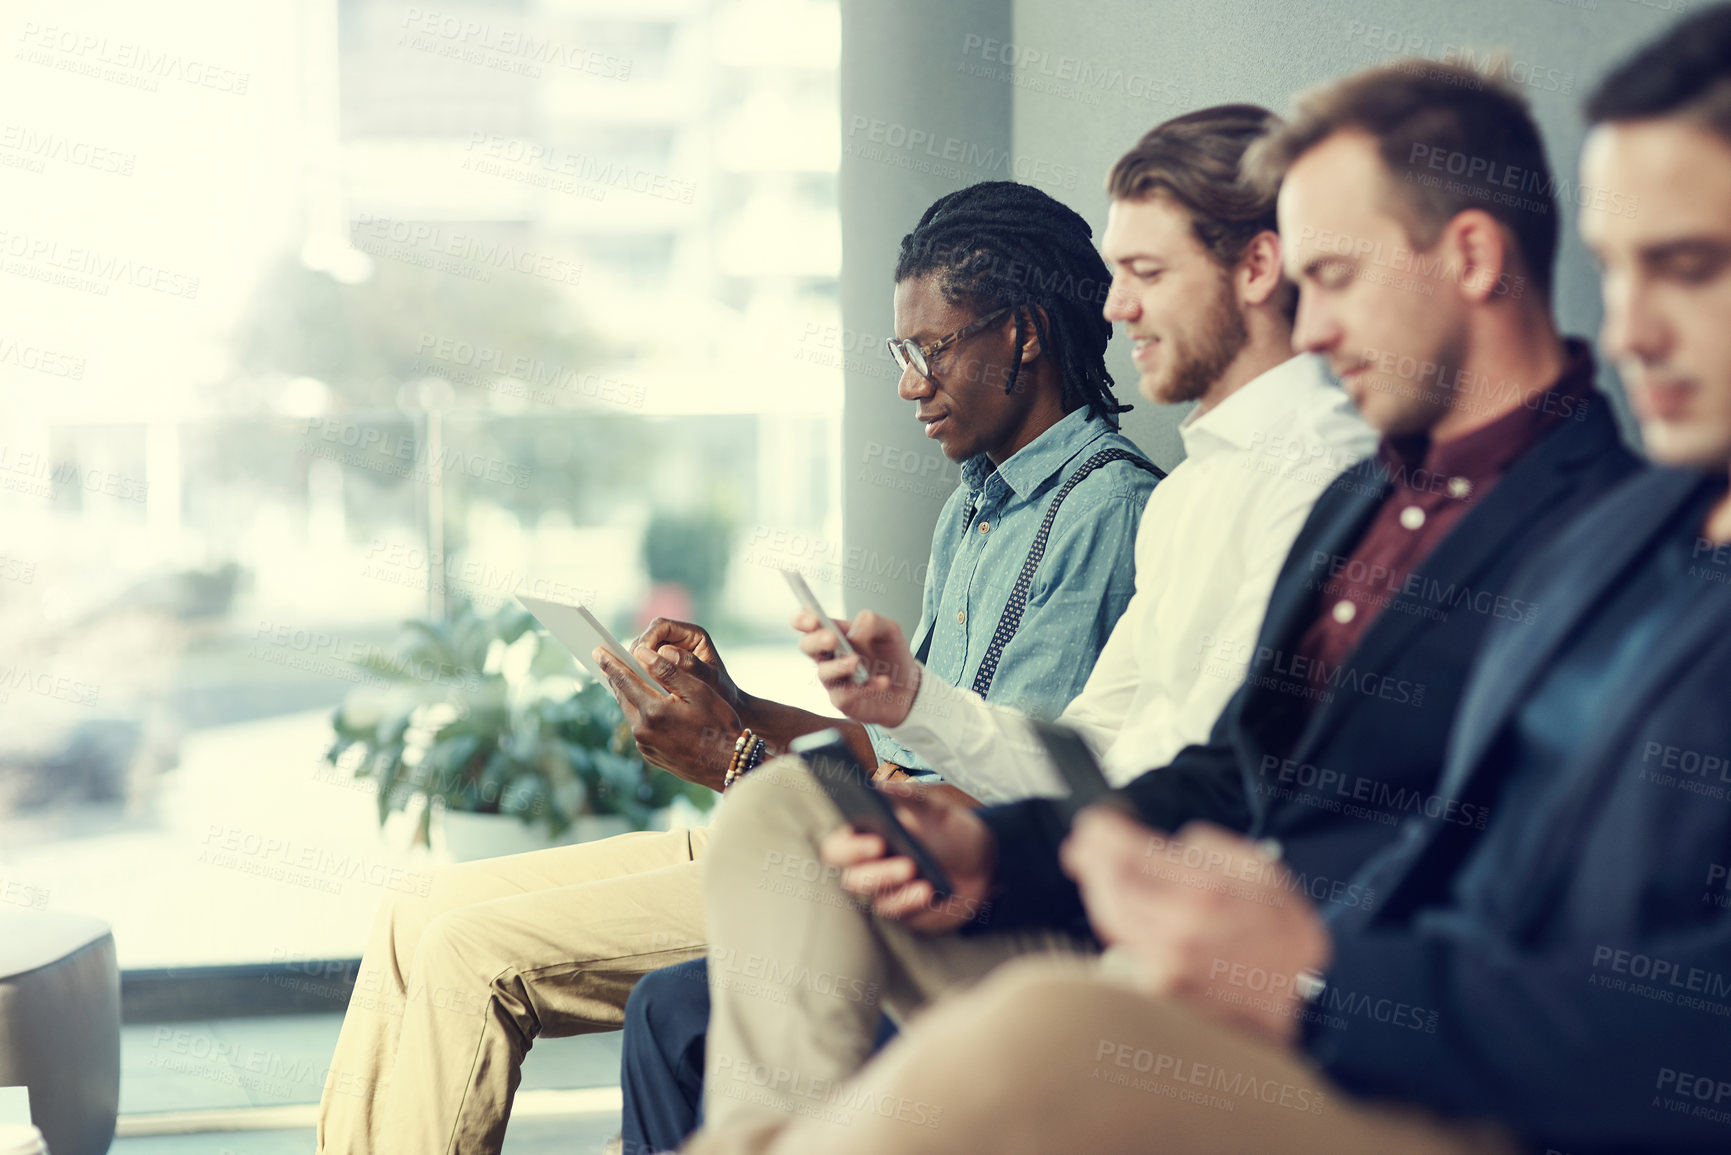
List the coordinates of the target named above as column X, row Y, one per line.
column 1031, row 466
column 1482, row 456
column 1250, row 410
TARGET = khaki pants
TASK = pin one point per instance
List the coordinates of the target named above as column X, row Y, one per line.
column 798, row 970
column 1050, row 1053
column 455, row 985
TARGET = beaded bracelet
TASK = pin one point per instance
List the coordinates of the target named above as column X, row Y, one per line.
column 748, row 753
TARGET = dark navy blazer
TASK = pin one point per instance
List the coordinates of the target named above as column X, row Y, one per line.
column 1571, row 964
column 1380, row 737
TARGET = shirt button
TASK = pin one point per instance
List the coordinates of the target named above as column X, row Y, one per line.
column 1459, row 487
column 1344, row 611
column 985, row 527
column 961, row 615
column 1412, row 517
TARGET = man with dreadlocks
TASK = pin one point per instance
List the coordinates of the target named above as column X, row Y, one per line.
column 1001, row 342
column 1002, row 349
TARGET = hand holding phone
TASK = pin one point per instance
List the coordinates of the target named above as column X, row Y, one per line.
column 1074, row 760
column 838, row 771
column 843, row 648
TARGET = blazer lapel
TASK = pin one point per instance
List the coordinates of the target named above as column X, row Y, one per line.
column 1343, row 510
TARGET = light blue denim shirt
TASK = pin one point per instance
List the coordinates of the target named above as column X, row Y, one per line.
column 1081, row 587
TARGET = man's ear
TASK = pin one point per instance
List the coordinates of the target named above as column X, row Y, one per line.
column 1031, row 347
column 1259, row 274
column 1478, row 241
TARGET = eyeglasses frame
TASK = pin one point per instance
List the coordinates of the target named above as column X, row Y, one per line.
column 899, row 346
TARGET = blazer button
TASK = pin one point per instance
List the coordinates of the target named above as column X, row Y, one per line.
column 985, row 527
column 961, row 615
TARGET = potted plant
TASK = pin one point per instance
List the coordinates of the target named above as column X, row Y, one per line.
column 482, row 717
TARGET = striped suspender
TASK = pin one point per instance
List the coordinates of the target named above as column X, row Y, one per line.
column 1012, row 619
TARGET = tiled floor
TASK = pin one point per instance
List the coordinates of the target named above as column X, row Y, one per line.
column 281, row 1060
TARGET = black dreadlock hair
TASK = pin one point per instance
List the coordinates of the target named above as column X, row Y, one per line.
column 999, row 243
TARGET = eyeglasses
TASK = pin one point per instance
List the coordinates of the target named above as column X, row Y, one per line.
column 907, row 353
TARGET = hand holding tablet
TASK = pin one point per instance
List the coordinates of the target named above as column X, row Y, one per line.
column 581, row 632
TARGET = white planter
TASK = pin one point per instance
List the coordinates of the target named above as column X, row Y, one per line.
column 460, row 836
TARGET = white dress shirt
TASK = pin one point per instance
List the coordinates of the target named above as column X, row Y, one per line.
column 1209, row 546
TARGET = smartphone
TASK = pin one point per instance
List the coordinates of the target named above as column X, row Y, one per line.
column 1076, row 765
column 796, row 583
column 581, row 631
column 849, row 786
column 1074, row 761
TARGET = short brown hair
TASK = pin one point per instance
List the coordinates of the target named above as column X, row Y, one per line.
column 1451, row 138
column 1195, row 159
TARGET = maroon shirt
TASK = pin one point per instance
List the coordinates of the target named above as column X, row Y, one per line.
column 1434, row 487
